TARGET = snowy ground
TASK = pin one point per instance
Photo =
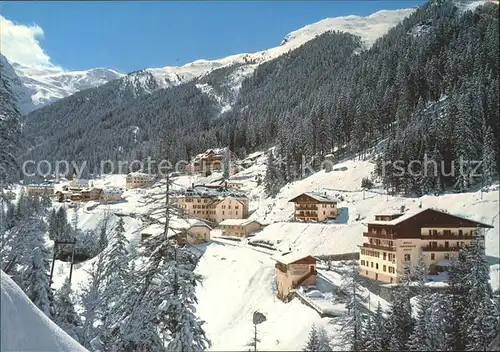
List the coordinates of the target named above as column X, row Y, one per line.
column 239, row 279
column 25, row 327
column 237, row 282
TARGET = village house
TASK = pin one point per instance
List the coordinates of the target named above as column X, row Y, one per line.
column 312, row 206
column 239, row 227
column 213, row 208
column 39, row 189
column 293, row 269
column 196, row 233
column 91, row 194
column 395, row 240
column 111, row 195
column 210, row 160
column 138, row 179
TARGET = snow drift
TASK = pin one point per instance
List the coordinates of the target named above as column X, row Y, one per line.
column 25, row 328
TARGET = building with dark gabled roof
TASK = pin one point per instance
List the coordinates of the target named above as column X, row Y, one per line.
column 400, row 239
column 314, row 206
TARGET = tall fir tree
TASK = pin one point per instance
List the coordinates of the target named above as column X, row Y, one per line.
column 401, row 319
column 420, row 338
column 65, row 315
column 37, row 282
column 353, row 319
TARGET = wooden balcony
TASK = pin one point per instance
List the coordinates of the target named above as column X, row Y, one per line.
column 306, row 207
column 307, row 213
column 380, row 247
column 440, row 249
column 452, row 236
column 379, row 235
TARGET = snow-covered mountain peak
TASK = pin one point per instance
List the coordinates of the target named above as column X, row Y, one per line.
column 369, row 28
column 51, row 83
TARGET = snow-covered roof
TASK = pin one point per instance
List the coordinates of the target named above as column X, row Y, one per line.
column 320, row 197
column 216, row 151
column 290, row 257
column 237, row 222
column 25, row 327
column 40, row 186
column 186, row 224
column 154, row 229
column 198, row 223
column 139, row 174
column 411, row 214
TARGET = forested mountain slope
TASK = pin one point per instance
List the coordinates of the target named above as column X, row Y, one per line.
column 326, row 94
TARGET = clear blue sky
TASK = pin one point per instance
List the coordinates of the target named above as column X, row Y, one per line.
column 132, row 35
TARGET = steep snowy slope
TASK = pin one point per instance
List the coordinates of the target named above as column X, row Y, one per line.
column 20, row 92
column 49, row 83
column 237, row 282
column 25, row 328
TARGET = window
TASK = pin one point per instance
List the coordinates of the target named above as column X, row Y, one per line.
column 434, row 232
column 371, row 264
column 460, row 232
column 446, row 244
column 433, row 256
column 385, row 255
column 384, row 268
column 407, row 257
column 447, row 256
column 362, row 262
column 376, row 266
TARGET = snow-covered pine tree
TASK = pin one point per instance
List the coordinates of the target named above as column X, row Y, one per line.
column 481, row 324
column 488, row 156
column 374, row 331
column 65, row 315
column 116, row 274
column 36, row 279
column 324, row 341
column 420, row 338
column 312, row 344
column 457, row 296
column 439, row 322
column 45, row 201
column 158, row 311
column 273, row 178
column 226, row 163
column 91, row 301
column 401, row 324
column 484, row 328
column 352, row 319
column 183, row 327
